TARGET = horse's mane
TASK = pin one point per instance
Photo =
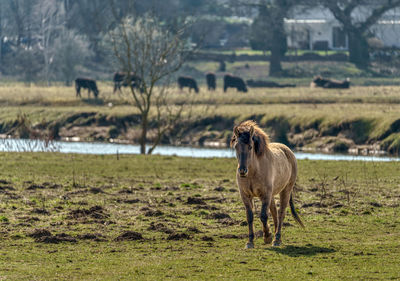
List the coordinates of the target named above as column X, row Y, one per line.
column 241, row 133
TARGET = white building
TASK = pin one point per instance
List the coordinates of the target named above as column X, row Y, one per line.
column 318, row 29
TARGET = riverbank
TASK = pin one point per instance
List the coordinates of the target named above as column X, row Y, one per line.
column 362, row 120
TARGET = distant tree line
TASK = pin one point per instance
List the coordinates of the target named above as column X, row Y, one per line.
column 267, row 31
column 55, row 40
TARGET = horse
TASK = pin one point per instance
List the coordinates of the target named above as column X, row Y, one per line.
column 211, row 81
column 125, row 80
column 319, row 81
column 264, row 170
column 187, row 81
column 86, row 83
column 231, row 81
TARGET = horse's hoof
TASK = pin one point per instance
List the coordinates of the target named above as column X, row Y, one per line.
column 249, row 246
column 268, row 239
column 277, row 243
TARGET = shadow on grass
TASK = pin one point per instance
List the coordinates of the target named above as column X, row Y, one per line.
column 307, row 250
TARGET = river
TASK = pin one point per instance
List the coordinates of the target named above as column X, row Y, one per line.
column 18, row 145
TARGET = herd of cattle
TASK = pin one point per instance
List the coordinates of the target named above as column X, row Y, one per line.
column 122, row 79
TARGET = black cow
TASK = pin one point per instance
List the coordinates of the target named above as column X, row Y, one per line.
column 86, row 83
column 211, row 81
column 231, row 81
column 319, row 81
column 122, row 79
column 186, row 81
column 267, row 84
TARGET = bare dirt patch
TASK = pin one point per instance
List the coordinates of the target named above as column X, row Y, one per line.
column 179, row 236
column 95, row 212
column 96, row 190
column 129, row 236
column 207, row 238
column 127, row 201
column 160, row 227
column 58, row 238
column 39, row 232
column 45, row 236
column 35, row 186
column 151, row 213
column 3, row 189
column 195, row 201
column 219, row 216
column 4, row 182
column 40, row 211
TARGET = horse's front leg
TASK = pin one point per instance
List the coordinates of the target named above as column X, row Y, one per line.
column 248, row 203
column 266, row 203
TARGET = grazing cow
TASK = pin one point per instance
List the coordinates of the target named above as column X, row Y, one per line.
column 122, row 79
column 211, row 81
column 267, row 84
column 231, row 81
column 319, row 81
column 86, row 83
column 186, row 81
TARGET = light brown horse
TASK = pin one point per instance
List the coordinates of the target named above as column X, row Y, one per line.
column 264, row 170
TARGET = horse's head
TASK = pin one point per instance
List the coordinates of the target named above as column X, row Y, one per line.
column 242, row 141
column 96, row 92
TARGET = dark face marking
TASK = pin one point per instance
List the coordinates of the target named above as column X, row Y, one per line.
column 243, row 149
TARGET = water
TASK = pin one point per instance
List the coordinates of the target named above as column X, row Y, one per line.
column 113, row 148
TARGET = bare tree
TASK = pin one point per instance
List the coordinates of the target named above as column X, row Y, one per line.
column 153, row 53
column 50, row 25
column 357, row 28
column 72, row 50
column 21, row 13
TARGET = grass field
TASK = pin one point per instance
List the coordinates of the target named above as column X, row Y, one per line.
column 85, row 217
column 82, row 217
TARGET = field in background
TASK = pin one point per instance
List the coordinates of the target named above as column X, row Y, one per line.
column 150, row 218
column 17, row 94
column 299, row 73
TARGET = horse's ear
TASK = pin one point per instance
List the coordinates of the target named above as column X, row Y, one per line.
column 233, row 140
column 234, row 136
column 259, row 145
column 251, row 131
column 236, row 131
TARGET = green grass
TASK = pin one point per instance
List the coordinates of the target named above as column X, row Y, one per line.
column 349, row 208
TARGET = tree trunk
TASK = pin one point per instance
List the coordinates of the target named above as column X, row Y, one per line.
column 275, row 67
column 278, row 50
column 358, row 49
column 279, row 43
column 143, row 136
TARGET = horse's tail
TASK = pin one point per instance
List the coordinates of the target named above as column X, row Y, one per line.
column 294, row 213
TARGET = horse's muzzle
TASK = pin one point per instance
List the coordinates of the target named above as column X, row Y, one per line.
column 243, row 172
